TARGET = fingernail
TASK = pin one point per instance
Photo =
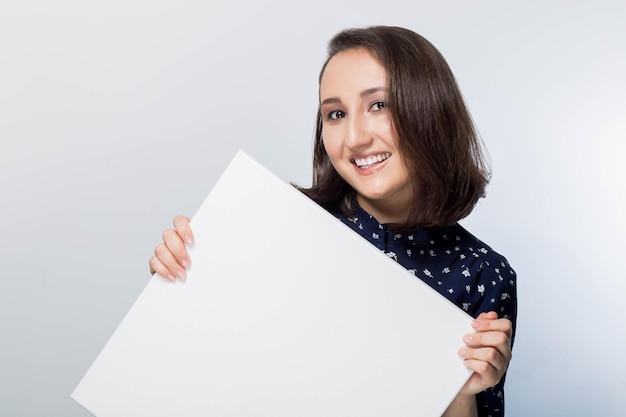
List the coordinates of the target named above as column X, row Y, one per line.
column 467, row 338
column 476, row 324
column 184, row 263
column 171, row 277
column 188, row 240
column 462, row 352
column 180, row 273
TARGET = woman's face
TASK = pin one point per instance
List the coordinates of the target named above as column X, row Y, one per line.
column 358, row 135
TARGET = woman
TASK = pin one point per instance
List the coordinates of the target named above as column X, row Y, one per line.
column 397, row 159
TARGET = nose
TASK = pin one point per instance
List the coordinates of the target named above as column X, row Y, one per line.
column 358, row 134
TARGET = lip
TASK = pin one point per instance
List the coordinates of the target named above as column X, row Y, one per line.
column 377, row 160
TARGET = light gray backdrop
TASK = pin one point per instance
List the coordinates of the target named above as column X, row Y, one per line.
column 115, row 116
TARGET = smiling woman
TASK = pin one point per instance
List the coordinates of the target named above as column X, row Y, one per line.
column 425, row 117
column 398, row 160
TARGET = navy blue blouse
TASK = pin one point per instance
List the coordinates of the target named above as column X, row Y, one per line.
column 459, row 266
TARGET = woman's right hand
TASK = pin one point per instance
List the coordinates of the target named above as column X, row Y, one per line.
column 171, row 259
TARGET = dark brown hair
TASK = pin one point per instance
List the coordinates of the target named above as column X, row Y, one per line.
column 436, row 135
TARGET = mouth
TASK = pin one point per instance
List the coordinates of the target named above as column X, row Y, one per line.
column 371, row 160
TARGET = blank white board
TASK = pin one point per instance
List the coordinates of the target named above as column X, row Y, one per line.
column 285, row 312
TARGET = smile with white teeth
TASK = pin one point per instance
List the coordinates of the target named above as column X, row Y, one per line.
column 371, row 160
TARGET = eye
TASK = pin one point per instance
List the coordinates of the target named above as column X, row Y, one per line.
column 336, row 114
column 378, row 106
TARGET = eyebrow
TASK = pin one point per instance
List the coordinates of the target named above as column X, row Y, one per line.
column 363, row 93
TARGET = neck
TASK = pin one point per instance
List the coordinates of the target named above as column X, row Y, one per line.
column 385, row 213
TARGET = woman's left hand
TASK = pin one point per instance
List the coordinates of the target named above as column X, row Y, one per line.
column 487, row 351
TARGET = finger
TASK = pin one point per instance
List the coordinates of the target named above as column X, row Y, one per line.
column 483, row 324
column 181, row 224
column 177, row 248
column 488, row 355
column 164, row 255
column 487, row 315
column 487, row 375
column 497, row 340
column 156, row 267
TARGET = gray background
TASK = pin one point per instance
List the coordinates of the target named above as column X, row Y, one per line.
column 118, row 115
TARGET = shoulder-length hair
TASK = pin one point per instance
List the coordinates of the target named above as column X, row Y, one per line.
column 436, row 135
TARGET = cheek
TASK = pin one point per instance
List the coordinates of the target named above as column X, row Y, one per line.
column 384, row 128
column 331, row 145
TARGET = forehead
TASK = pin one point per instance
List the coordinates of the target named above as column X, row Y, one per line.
column 352, row 71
